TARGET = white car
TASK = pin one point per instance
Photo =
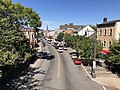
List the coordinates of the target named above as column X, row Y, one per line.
column 60, row 50
column 74, row 56
column 65, row 48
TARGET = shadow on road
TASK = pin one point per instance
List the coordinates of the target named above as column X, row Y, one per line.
column 24, row 81
column 22, row 78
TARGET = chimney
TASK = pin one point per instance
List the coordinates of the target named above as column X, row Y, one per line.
column 105, row 19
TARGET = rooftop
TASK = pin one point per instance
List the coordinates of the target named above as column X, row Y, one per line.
column 108, row 22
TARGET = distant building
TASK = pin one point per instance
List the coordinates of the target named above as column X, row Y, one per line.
column 69, row 32
column 52, row 34
column 86, row 31
column 46, row 31
column 30, row 35
column 107, row 32
column 69, row 26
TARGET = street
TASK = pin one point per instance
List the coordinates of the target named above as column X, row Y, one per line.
column 64, row 75
column 59, row 73
column 59, row 45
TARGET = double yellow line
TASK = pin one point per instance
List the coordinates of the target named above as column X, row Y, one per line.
column 58, row 68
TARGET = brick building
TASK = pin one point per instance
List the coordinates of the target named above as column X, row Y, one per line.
column 69, row 26
column 107, row 32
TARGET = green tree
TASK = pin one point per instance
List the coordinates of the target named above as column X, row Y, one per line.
column 60, row 37
column 115, row 49
column 13, row 43
column 85, row 47
column 67, row 39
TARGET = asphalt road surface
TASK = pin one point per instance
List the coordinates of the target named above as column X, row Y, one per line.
column 59, row 73
column 64, row 75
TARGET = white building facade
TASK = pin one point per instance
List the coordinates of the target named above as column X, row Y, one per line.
column 86, row 31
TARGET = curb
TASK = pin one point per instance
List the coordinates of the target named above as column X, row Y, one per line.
column 92, row 78
column 103, row 86
column 87, row 72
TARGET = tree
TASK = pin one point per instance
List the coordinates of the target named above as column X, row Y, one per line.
column 85, row 47
column 67, row 39
column 115, row 49
column 13, row 44
column 60, row 37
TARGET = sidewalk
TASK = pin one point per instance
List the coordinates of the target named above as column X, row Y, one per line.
column 35, row 64
column 103, row 76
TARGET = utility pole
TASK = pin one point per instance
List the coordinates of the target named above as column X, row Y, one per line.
column 94, row 61
column 95, row 45
column 94, row 55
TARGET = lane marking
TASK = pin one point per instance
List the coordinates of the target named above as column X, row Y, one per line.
column 104, row 88
column 58, row 69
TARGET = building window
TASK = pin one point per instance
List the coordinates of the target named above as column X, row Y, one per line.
column 85, row 33
column 104, row 43
column 110, row 43
column 105, row 32
column 100, row 33
column 110, row 32
column 100, row 41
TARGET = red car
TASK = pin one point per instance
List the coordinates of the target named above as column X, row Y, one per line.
column 77, row 61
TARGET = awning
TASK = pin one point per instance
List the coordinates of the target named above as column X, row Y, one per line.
column 105, row 51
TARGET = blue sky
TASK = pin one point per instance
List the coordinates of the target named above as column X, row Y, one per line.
column 79, row 12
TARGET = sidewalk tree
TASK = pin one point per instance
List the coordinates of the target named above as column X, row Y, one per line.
column 74, row 41
column 115, row 49
column 113, row 60
column 67, row 39
column 12, row 41
column 60, row 37
column 85, row 47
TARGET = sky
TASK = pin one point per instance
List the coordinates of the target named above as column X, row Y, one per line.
column 79, row 12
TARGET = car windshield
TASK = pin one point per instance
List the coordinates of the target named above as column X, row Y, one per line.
column 74, row 55
column 60, row 48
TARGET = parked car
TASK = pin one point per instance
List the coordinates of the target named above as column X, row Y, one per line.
column 60, row 50
column 39, row 54
column 74, row 53
column 44, row 55
column 52, row 44
column 50, row 56
column 77, row 61
column 73, row 56
column 56, row 47
column 65, row 48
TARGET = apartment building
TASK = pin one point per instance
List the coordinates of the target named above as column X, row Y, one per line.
column 107, row 32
